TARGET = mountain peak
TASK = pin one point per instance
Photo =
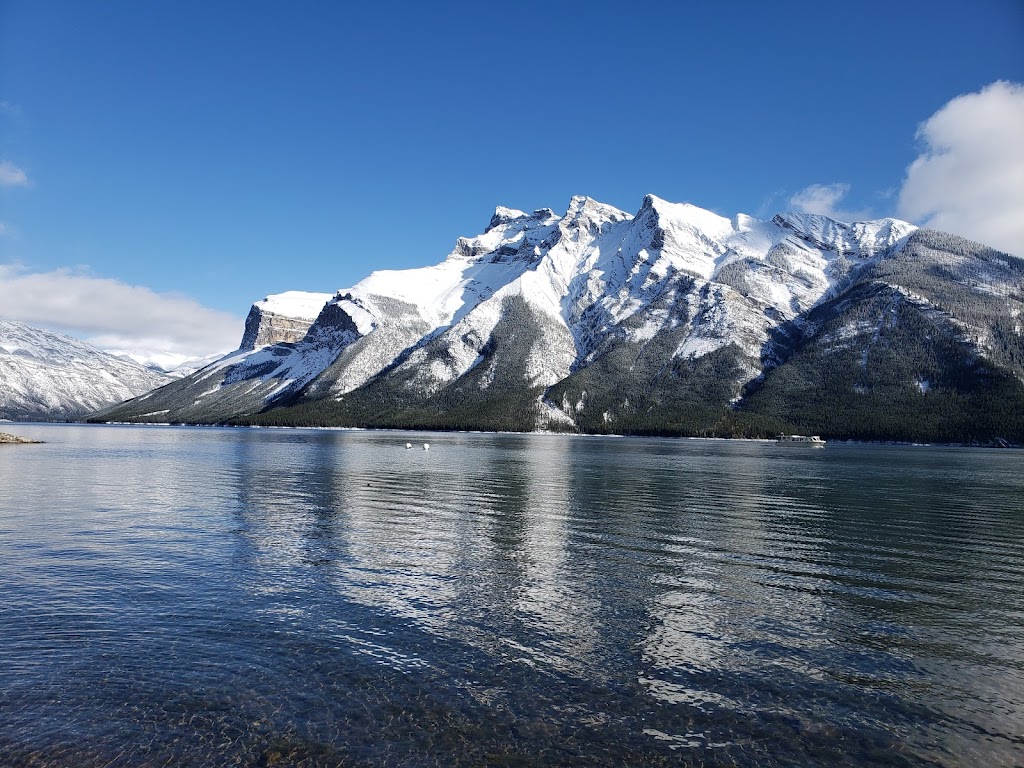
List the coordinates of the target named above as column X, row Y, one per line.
column 807, row 222
column 651, row 202
column 582, row 208
column 685, row 214
column 868, row 237
column 503, row 215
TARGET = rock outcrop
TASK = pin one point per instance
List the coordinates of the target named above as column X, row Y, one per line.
column 282, row 318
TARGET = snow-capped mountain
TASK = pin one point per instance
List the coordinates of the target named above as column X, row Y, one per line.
column 44, row 374
column 588, row 320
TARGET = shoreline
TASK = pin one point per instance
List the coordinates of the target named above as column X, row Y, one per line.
column 837, row 440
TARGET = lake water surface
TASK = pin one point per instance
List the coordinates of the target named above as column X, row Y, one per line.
column 211, row 597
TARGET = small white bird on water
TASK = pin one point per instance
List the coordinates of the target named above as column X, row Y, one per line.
column 426, row 446
column 408, row 446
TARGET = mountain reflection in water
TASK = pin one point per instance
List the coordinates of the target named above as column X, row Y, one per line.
column 195, row 597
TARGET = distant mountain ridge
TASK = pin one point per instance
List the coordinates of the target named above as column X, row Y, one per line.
column 673, row 320
column 47, row 375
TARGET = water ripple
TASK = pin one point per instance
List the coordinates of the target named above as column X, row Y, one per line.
column 209, row 597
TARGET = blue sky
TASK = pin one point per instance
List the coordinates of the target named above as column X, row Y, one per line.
column 211, row 153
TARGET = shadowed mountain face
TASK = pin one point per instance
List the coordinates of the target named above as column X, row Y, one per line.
column 672, row 321
column 924, row 345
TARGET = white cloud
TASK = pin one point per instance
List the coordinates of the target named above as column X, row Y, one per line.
column 12, row 176
column 115, row 316
column 823, row 199
column 969, row 178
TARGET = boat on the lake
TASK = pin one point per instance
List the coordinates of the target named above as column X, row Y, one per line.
column 806, row 441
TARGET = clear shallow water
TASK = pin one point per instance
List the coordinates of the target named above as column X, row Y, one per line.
column 210, row 597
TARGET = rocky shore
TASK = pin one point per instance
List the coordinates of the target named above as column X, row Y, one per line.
column 8, row 438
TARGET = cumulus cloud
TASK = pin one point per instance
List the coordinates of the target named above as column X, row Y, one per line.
column 115, row 316
column 12, row 176
column 969, row 177
column 824, row 199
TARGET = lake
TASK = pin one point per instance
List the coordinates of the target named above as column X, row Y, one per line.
column 179, row 596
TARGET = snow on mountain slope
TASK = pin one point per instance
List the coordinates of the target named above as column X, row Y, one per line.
column 49, row 375
column 296, row 304
column 580, row 281
column 593, row 268
column 442, row 315
column 762, row 273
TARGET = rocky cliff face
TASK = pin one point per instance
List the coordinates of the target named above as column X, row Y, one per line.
column 597, row 320
column 282, row 318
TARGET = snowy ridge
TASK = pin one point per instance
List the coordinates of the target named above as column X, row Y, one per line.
column 44, row 374
column 594, row 277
